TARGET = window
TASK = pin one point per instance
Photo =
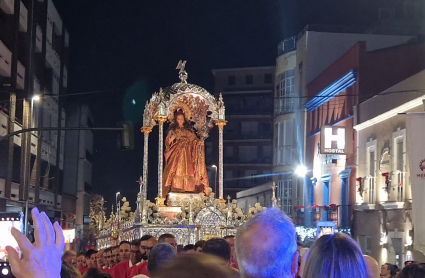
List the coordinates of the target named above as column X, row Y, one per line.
column 228, row 151
column 268, row 78
column 249, row 79
column 286, row 94
column 285, row 193
column 285, row 135
column 228, row 174
column 250, row 176
column 371, row 171
column 247, row 153
column 267, row 127
column 365, row 243
column 249, row 129
column 231, row 80
column 399, row 153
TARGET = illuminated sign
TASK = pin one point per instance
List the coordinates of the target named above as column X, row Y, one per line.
column 336, row 140
column 69, row 235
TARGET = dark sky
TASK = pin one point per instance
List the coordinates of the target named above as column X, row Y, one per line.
column 132, row 48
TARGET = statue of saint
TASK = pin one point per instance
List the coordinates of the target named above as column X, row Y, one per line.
column 185, row 169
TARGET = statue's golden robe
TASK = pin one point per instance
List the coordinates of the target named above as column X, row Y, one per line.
column 185, row 169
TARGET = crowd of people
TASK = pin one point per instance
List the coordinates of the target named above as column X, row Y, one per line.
column 264, row 247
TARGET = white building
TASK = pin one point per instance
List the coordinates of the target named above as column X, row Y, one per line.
column 382, row 216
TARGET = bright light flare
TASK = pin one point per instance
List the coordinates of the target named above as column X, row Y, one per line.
column 301, row 171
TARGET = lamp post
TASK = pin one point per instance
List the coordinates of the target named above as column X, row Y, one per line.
column 301, row 172
column 28, row 176
column 215, row 178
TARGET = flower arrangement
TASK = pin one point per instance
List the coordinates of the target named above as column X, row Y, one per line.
column 387, row 182
column 360, row 189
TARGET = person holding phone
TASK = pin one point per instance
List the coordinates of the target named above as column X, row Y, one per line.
column 43, row 258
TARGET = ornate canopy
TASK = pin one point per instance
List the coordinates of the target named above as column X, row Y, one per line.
column 198, row 105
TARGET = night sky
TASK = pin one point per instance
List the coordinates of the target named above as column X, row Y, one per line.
column 127, row 49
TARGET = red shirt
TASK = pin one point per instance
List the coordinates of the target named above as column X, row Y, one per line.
column 138, row 269
column 119, row 270
column 83, row 270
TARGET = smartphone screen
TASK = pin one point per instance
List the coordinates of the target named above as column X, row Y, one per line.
column 7, row 221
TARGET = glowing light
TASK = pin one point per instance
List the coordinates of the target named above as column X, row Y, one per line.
column 384, row 239
column 384, row 254
column 36, row 98
column 301, row 171
column 5, row 271
column 133, row 101
column 409, row 240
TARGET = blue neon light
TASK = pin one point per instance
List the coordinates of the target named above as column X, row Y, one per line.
column 340, row 85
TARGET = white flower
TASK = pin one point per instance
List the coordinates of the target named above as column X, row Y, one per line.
column 234, row 201
column 209, row 189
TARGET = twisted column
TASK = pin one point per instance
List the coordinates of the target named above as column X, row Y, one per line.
column 220, row 124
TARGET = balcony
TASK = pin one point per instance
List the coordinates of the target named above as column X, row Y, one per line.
column 285, row 105
column 65, row 77
column 284, row 155
column 5, row 60
column 7, row 6
column 287, row 45
column 38, row 39
column 20, row 78
column 253, row 110
column 309, row 216
column 23, row 18
column 247, row 136
column 236, row 160
column 52, row 59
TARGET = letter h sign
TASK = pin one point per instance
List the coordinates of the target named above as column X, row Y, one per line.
column 336, row 140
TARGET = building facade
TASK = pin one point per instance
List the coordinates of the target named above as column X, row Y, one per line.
column 383, row 201
column 34, row 46
column 78, row 171
column 356, row 76
column 248, row 135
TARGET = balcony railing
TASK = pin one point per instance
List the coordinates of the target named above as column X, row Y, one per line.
column 236, row 160
column 251, row 135
column 284, row 155
column 287, row 45
column 309, row 217
column 286, row 105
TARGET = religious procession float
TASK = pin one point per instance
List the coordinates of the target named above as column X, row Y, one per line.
column 185, row 206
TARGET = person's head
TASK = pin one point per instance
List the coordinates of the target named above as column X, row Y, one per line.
column 124, row 251
column 231, row 240
column 190, row 248
column 335, row 255
column 412, row 271
column 69, row 271
column 201, row 265
column 69, row 257
column 388, row 269
column 160, row 255
column 115, row 255
column 135, row 255
column 106, row 256
column 96, row 273
column 99, row 258
column 198, row 246
column 93, row 259
column 168, row 238
column 266, row 246
column 111, row 257
column 89, row 259
column 81, row 261
column 146, row 247
column 372, row 267
column 218, row 247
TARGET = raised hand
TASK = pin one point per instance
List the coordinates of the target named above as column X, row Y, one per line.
column 43, row 259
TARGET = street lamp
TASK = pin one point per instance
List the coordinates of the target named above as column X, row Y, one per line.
column 35, row 98
column 215, row 179
column 301, row 171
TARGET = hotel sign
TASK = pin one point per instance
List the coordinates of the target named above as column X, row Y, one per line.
column 336, row 140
